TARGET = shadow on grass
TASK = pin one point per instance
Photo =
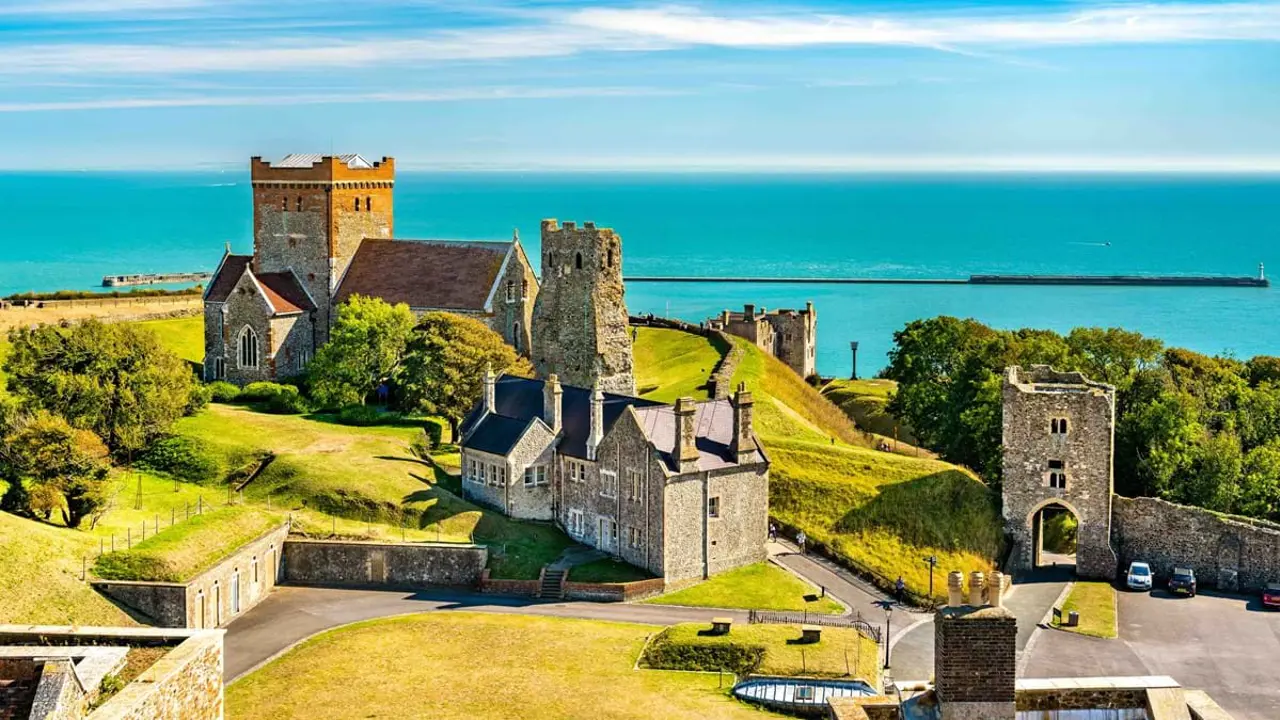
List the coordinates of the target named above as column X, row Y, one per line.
column 947, row 510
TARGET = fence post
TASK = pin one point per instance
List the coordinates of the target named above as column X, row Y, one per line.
column 101, row 543
column 84, row 563
column 129, row 537
column 144, row 529
column 200, row 505
column 113, row 542
column 173, row 516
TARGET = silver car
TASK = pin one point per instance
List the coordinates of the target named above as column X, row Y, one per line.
column 1139, row 576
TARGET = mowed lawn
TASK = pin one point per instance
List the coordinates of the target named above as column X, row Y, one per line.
column 183, row 336
column 670, row 364
column 842, row 652
column 462, row 666
column 187, row 549
column 761, row 586
column 1096, row 602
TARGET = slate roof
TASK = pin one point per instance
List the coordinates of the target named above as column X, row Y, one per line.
column 284, row 292
column 713, row 425
column 497, row 434
column 224, row 281
column 306, row 160
column 436, row 274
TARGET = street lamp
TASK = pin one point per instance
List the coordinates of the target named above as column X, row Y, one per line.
column 932, row 562
column 887, row 606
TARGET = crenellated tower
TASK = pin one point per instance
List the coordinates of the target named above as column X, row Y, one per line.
column 580, row 328
column 310, row 214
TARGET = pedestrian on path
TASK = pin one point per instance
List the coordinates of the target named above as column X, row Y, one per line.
column 801, row 538
column 773, row 533
column 900, row 588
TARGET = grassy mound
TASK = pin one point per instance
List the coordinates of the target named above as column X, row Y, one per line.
column 185, row 550
column 762, row 586
column 865, row 402
column 546, row 669
column 765, row 649
column 671, row 364
column 40, row 577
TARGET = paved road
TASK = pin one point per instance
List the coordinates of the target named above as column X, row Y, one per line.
column 1226, row 645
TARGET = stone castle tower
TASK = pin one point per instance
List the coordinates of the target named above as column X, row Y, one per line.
column 1059, row 447
column 310, row 214
column 580, row 328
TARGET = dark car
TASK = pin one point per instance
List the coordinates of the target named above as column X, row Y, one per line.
column 1183, row 582
column 1271, row 595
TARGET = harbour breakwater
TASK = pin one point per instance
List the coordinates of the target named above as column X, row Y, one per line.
column 1106, row 280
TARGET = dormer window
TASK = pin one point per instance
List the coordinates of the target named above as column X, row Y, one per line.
column 1058, row 426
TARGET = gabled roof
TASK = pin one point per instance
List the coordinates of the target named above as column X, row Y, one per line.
column 432, row 274
column 225, row 279
column 284, row 293
column 521, row 399
column 306, row 160
column 713, row 433
column 497, row 434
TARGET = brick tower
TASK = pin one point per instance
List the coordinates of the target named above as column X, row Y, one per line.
column 580, row 327
column 310, row 213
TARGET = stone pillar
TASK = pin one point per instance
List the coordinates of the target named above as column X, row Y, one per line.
column 686, row 450
column 975, row 661
column 853, row 374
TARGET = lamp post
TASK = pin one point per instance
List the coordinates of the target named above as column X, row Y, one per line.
column 932, row 562
column 887, row 606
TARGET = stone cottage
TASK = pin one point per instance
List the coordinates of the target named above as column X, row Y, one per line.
column 682, row 491
column 322, row 232
column 789, row 335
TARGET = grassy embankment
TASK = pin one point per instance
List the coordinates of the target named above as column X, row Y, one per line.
column 767, row 650
column 1096, row 603
column 762, row 586
column 865, row 401
column 670, row 364
column 881, row 512
column 189, row 548
column 548, row 668
column 183, row 336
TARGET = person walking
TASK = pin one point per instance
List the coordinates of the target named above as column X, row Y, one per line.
column 773, row 532
column 801, row 538
column 900, row 589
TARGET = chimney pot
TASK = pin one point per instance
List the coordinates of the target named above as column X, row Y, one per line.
column 955, row 589
column 977, row 582
column 995, row 589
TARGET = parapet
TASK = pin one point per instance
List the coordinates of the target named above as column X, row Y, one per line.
column 1042, row 378
column 322, row 168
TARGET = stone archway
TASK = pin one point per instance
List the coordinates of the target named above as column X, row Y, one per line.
column 1035, row 521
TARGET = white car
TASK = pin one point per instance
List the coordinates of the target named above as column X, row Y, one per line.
column 1139, row 576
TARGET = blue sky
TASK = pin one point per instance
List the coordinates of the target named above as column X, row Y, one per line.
column 745, row 84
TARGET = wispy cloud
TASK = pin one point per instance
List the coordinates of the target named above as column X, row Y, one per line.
column 99, row 7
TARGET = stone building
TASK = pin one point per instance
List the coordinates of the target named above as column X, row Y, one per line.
column 580, row 331
column 789, row 335
column 323, row 230
column 682, row 491
column 1059, row 443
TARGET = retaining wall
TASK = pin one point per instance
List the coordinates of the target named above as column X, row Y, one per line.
column 365, row 564
column 614, row 592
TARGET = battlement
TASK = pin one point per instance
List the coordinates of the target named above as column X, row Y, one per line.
column 552, row 227
column 322, row 168
column 1044, row 379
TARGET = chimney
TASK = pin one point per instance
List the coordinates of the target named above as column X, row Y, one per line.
column 749, row 312
column 995, row 590
column 597, row 421
column 955, row 589
column 686, row 450
column 490, row 399
column 551, row 406
column 977, row 583
column 743, row 445
column 975, row 653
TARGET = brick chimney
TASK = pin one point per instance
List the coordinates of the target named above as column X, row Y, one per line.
column 490, row 394
column 975, row 655
column 686, row 450
column 743, row 445
column 597, row 421
column 551, row 405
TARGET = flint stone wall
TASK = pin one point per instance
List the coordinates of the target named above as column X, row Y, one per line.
column 363, row 564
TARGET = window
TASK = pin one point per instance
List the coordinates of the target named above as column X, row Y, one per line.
column 577, row 261
column 357, row 204
column 634, row 484
column 577, row 471
column 480, row 472
column 200, row 604
column 253, row 569
column 1057, row 475
column 299, row 206
column 511, row 291
column 1058, row 426
column 368, row 204
column 524, row 289
column 635, row 538
column 248, row 348
column 609, row 483
column 304, row 357
column 235, row 591
column 535, row 475
column 217, row 604
column 713, row 507
column 219, row 368
column 576, row 524
column 610, row 257
column 284, row 204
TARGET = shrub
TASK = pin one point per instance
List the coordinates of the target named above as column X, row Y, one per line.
column 182, row 457
column 434, row 429
column 199, row 400
column 261, row 391
column 274, row 398
column 223, row 392
column 710, row 657
column 366, row 415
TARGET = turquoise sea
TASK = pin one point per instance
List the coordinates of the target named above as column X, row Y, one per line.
column 66, row 230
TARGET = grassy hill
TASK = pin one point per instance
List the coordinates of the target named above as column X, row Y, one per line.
column 865, row 400
column 880, row 512
column 183, row 336
column 671, row 364
column 183, row 551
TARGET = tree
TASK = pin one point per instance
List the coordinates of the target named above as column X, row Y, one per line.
column 116, row 380
column 1260, row 483
column 59, row 459
column 1111, row 355
column 444, row 367
column 365, row 348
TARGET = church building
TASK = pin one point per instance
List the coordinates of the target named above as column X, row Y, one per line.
column 323, row 231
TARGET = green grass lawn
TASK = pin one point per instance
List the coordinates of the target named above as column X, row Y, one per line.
column 183, row 336
column 864, row 401
column 478, row 666
column 1096, row 603
column 762, row 586
column 183, row 551
column 671, row 364
column 842, row 652
column 607, row 570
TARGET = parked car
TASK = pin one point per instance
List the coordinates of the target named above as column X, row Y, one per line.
column 1183, row 582
column 1271, row 595
column 1139, row 576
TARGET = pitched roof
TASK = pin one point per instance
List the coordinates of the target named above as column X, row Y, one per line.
column 713, row 434
column 306, row 160
column 285, row 294
column 224, row 281
column 438, row 274
column 521, row 399
column 497, row 434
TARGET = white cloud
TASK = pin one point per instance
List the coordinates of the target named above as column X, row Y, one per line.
column 98, row 7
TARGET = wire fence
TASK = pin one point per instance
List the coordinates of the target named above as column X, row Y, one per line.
column 854, row 621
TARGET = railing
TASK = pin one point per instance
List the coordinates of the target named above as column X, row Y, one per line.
column 853, row 621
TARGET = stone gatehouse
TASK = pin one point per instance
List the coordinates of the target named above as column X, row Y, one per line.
column 1059, row 444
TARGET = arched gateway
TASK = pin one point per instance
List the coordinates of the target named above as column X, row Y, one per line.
column 1059, row 438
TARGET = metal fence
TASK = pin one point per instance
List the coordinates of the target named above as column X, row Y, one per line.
column 854, row 621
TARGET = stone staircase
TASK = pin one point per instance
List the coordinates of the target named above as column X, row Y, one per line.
column 551, row 585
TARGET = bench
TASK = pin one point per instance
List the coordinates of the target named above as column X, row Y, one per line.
column 721, row 625
column 810, row 633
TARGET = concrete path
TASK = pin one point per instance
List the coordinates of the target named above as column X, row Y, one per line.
column 858, row 595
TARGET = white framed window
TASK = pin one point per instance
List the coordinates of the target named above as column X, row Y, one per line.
column 480, row 476
column 576, row 524
column 248, row 346
column 634, row 484
column 713, row 506
column 635, row 538
column 511, row 291
column 577, row 471
column 535, row 475
column 609, row 483
column 1057, row 475
column 1058, row 426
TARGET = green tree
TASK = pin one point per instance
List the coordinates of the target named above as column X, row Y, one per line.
column 1213, row 480
column 1263, row 369
column 1260, row 483
column 1111, row 355
column 59, row 459
column 116, row 380
column 443, row 372
column 365, row 348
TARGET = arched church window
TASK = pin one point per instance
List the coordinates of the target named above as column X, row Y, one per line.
column 577, row 261
column 248, row 348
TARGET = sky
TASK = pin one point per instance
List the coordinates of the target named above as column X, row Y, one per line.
column 753, row 85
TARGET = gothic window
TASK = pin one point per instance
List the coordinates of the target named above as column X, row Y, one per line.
column 1057, row 475
column 368, row 204
column 299, row 205
column 1058, row 426
column 511, row 291
column 577, row 261
column 248, row 348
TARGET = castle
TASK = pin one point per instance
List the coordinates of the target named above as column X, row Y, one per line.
column 789, row 335
column 323, row 231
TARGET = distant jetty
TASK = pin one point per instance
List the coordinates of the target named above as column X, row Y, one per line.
column 1096, row 280
column 154, row 279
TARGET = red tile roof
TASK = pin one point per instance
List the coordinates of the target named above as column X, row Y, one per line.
column 438, row 274
column 229, row 273
column 284, row 292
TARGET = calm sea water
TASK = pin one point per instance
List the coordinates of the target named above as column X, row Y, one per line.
column 68, row 230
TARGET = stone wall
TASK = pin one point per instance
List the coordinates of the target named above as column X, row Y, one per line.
column 484, row 490
column 535, row 448
column 513, row 302
column 362, row 564
column 246, row 307
column 293, row 344
column 639, row 502
column 698, row 546
column 580, row 317
column 975, row 662
column 795, row 338
column 614, row 592
column 1232, row 553
column 185, row 684
column 164, row 603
